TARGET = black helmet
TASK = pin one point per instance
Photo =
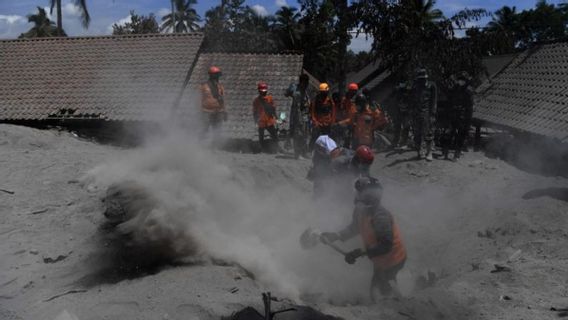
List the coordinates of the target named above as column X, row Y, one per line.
column 369, row 191
column 361, row 100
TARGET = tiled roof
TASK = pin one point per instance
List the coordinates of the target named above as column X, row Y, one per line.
column 364, row 73
column 531, row 94
column 369, row 77
column 494, row 64
column 133, row 77
column 374, row 82
column 241, row 73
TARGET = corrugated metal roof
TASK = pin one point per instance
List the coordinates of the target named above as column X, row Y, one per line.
column 241, row 74
column 135, row 77
column 531, row 94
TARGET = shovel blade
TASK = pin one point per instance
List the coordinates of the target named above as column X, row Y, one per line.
column 309, row 238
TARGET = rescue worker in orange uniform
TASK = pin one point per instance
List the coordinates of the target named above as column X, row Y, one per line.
column 345, row 109
column 264, row 114
column 380, row 234
column 364, row 121
column 322, row 112
column 213, row 102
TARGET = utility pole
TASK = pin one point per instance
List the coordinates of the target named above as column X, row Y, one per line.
column 59, row 19
column 173, row 17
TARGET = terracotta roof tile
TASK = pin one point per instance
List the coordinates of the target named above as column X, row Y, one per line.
column 531, row 93
column 241, row 73
column 112, row 77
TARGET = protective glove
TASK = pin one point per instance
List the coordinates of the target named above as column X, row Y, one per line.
column 329, row 237
column 352, row 256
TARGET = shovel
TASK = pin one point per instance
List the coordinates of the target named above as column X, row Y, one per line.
column 311, row 237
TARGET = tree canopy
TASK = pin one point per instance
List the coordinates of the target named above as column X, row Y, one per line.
column 411, row 33
column 511, row 30
column 80, row 4
column 42, row 26
column 138, row 24
column 184, row 17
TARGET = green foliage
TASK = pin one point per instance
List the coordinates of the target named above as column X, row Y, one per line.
column 316, row 30
column 139, row 24
column 511, row 31
column 236, row 27
column 357, row 61
column 319, row 41
column 43, row 27
column 185, row 17
column 288, row 29
column 408, row 34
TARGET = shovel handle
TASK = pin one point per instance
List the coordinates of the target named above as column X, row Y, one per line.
column 333, row 246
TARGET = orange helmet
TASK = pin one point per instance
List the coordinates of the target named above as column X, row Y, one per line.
column 352, row 87
column 262, row 87
column 214, row 70
column 323, row 87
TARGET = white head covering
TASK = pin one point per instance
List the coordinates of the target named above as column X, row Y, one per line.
column 325, row 144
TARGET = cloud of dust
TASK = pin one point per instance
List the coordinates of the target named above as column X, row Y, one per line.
column 248, row 212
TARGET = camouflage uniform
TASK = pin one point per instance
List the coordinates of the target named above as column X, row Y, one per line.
column 460, row 114
column 424, row 101
column 401, row 116
column 299, row 115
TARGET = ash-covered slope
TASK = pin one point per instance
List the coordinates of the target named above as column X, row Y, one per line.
column 458, row 220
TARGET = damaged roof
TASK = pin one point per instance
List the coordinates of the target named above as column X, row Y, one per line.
column 133, row 77
column 530, row 94
column 241, row 74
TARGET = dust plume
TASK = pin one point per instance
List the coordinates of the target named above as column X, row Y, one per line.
column 251, row 214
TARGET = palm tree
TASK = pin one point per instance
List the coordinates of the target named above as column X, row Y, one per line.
column 184, row 19
column 505, row 28
column 43, row 27
column 505, row 19
column 81, row 4
column 287, row 26
column 422, row 13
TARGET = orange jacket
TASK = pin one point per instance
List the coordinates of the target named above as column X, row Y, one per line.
column 396, row 255
column 322, row 112
column 264, row 119
column 208, row 101
column 365, row 123
column 345, row 109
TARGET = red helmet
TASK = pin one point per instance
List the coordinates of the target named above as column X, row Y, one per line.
column 364, row 155
column 352, row 87
column 214, row 70
column 262, row 87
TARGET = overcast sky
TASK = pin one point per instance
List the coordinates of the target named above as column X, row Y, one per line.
column 104, row 13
